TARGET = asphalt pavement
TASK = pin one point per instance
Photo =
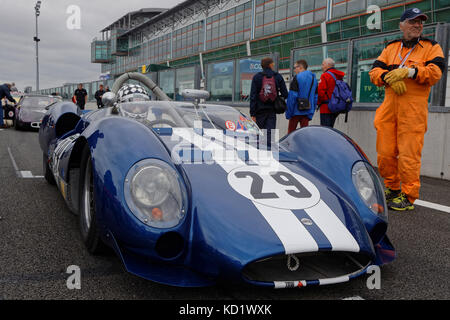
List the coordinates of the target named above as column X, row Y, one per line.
column 39, row 240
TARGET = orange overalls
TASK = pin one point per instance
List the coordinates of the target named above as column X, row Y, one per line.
column 401, row 121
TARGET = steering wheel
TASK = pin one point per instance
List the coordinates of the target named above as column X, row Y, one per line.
column 162, row 121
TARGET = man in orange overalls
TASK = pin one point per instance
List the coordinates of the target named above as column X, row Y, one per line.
column 407, row 68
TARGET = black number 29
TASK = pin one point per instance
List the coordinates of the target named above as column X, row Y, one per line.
column 283, row 178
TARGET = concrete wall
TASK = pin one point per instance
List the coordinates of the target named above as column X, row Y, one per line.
column 436, row 151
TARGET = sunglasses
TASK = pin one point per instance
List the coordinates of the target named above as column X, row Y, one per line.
column 415, row 21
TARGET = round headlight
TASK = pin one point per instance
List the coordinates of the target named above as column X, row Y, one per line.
column 369, row 187
column 151, row 186
column 155, row 193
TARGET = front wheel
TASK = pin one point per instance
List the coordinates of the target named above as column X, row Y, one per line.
column 88, row 220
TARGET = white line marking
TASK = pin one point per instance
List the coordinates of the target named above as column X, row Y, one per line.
column 29, row 175
column 431, row 205
column 16, row 168
column 353, row 298
column 26, row 174
column 21, row 174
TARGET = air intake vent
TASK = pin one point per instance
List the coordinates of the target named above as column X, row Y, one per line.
column 306, row 266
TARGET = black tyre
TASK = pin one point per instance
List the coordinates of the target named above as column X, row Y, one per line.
column 48, row 174
column 88, row 220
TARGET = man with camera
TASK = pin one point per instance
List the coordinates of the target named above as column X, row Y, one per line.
column 302, row 98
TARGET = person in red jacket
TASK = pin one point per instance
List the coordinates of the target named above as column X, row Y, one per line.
column 325, row 90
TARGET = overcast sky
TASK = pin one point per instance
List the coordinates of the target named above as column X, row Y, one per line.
column 64, row 54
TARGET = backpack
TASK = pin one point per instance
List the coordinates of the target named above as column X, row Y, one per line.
column 268, row 90
column 341, row 100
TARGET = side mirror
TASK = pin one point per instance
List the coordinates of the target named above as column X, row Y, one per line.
column 108, row 99
column 194, row 94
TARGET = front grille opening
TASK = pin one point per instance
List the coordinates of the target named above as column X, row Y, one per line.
column 169, row 245
column 311, row 266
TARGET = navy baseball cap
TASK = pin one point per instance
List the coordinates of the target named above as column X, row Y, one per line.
column 412, row 14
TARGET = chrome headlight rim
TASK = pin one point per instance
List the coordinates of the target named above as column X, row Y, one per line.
column 377, row 192
column 137, row 210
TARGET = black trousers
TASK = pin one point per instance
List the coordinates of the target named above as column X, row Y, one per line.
column 328, row 119
column 267, row 121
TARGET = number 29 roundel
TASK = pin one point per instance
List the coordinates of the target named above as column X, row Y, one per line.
column 278, row 188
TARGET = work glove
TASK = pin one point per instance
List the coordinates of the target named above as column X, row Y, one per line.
column 399, row 87
column 399, row 74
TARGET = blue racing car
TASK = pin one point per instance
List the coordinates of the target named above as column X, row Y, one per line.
column 189, row 193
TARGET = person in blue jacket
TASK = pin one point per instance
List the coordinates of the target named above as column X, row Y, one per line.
column 303, row 85
column 5, row 92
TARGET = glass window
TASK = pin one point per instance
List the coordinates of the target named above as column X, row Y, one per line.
column 167, row 82
column 269, row 4
column 220, row 81
column 247, row 23
column 246, row 69
column 280, row 26
column 230, row 28
column 269, row 29
column 307, row 18
column 355, row 6
column 239, row 37
column 365, row 52
column 269, row 16
column 259, row 6
column 185, row 79
column 215, row 33
column 231, row 15
column 315, row 55
column 319, row 15
column 306, row 5
column 259, row 19
column 280, row 12
column 292, row 22
column 339, row 9
column 239, row 25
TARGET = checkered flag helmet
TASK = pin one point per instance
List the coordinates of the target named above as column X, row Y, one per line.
column 132, row 92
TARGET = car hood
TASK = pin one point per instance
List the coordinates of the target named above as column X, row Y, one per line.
column 271, row 201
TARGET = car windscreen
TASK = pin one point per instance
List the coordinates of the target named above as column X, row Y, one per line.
column 155, row 115
column 217, row 117
column 38, row 102
column 168, row 114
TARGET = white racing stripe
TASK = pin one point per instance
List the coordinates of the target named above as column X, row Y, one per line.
column 291, row 232
column 327, row 221
column 219, row 154
column 338, row 235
